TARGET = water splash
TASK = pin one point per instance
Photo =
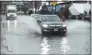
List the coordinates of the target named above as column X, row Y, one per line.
column 9, row 24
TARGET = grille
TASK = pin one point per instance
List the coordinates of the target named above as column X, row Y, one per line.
column 54, row 26
column 11, row 15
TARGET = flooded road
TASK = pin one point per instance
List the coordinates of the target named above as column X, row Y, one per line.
column 25, row 38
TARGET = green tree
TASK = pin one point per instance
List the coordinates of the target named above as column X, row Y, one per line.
column 25, row 9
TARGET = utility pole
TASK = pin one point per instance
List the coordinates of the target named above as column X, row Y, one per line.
column 34, row 6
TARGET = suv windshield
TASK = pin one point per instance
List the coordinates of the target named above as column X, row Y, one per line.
column 11, row 11
column 50, row 18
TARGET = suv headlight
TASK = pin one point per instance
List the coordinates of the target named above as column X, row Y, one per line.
column 45, row 25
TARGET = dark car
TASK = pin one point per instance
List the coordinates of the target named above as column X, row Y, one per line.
column 87, row 17
column 52, row 23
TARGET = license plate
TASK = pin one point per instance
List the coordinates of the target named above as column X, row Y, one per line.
column 55, row 29
column 11, row 18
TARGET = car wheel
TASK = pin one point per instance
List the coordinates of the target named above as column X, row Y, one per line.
column 43, row 32
column 7, row 18
column 63, row 33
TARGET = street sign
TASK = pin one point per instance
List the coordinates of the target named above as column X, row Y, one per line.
column 54, row 3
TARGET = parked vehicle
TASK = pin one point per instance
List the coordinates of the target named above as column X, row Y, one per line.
column 87, row 17
column 52, row 23
column 81, row 16
column 76, row 12
column 11, row 12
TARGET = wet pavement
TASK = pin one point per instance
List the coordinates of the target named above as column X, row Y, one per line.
column 24, row 37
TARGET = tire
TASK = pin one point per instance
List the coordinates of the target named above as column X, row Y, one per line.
column 6, row 17
column 43, row 32
column 63, row 33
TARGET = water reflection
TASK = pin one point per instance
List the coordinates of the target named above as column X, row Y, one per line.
column 44, row 46
column 64, row 45
column 9, row 24
column 15, row 23
column 57, row 45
